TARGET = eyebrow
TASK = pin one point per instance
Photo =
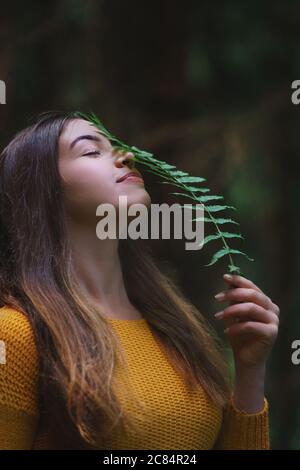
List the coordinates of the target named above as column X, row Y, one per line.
column 85, row 137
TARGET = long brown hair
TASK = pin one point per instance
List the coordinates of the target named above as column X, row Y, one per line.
column 78, row 349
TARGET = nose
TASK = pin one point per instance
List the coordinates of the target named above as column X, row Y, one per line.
column 125, row 159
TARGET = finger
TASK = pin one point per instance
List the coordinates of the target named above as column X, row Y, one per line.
column 244, row 295
column 276, row 309
column 248, row 312
column 240, row 281
column 261, row 330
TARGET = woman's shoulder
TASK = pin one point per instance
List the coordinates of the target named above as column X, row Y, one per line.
column 15, row 327
column 19, row 363
column 11, row 314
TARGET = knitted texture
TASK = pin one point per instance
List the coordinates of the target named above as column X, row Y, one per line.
column 166, row 413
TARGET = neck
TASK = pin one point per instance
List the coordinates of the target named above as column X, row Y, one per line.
column 98, row 269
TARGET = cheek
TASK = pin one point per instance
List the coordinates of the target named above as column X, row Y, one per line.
column 87, row 186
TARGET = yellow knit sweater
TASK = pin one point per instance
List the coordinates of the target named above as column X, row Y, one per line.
column 173, row 416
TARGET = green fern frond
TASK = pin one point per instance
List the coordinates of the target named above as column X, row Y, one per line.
column 169, row 174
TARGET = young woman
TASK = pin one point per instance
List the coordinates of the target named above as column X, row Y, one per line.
column 102, row 350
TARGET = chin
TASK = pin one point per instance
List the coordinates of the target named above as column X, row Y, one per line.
column 145, row 199
column 139, row 196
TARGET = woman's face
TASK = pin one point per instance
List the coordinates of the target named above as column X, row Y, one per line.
column 90, row 168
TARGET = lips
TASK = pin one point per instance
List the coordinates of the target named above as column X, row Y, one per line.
column 131, row 173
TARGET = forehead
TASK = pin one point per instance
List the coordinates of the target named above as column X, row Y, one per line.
column 76, row 128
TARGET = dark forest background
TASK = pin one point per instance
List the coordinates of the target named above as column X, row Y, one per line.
column 204, row 85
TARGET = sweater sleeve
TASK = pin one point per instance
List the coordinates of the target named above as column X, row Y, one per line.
column 18, row 381
column 242, row 431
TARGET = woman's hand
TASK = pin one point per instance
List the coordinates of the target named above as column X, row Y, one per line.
column 251, row 322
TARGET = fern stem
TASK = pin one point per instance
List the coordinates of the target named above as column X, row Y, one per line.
column 216, row 225
column 174, row 181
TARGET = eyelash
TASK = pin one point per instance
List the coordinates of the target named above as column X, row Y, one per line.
column 92, row 153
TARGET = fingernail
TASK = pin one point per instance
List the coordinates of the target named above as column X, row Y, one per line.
column 219, row 296
column 219, row 314
column 228, row 276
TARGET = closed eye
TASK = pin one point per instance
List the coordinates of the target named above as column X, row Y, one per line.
column 96, row 152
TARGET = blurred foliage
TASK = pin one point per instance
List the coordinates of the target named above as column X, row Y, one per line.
column 204, row 85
